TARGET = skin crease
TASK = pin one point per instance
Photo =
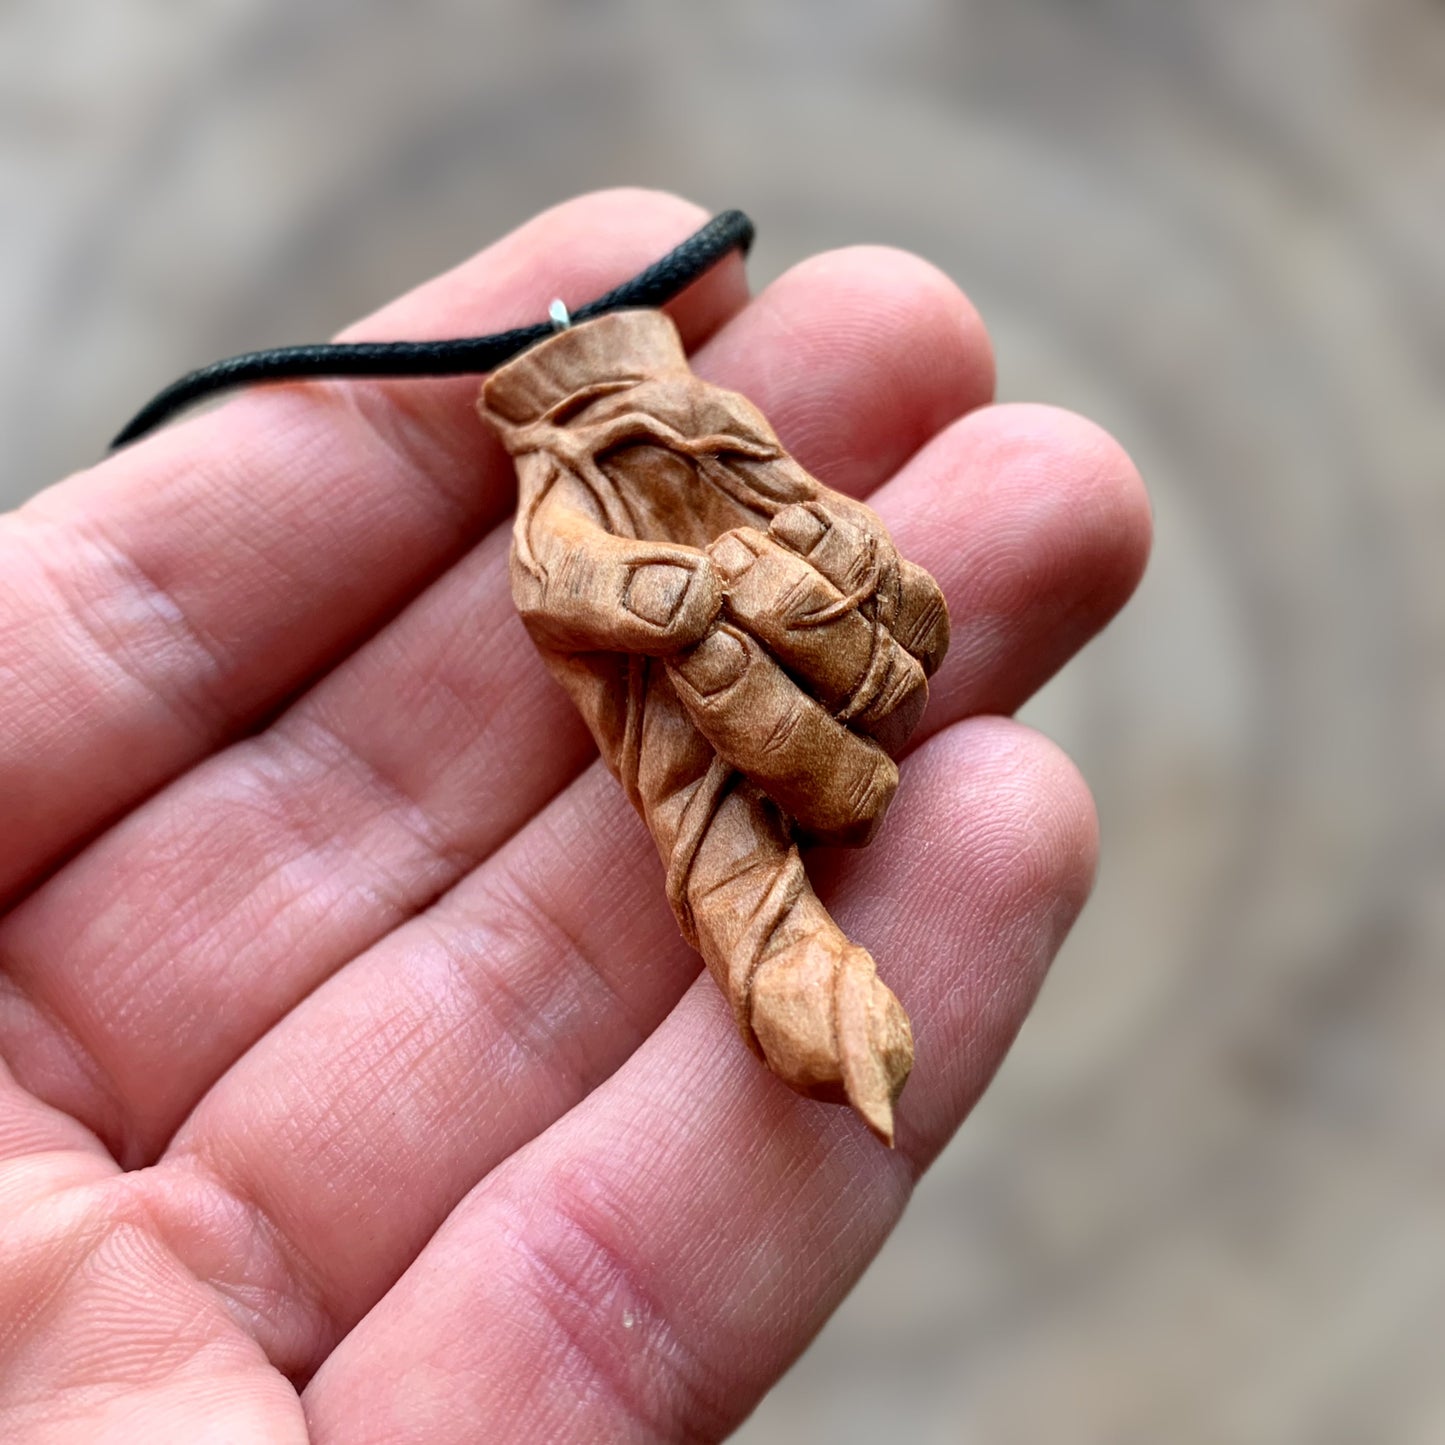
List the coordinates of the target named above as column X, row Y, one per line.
column 356, row 1083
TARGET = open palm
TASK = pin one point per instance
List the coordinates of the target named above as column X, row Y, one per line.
column 357, row 1085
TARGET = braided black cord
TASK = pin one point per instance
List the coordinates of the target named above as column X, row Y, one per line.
column 467, row 355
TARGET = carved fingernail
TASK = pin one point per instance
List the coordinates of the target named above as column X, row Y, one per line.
column 655, row 592
column 715, row 664
column 731, row 556
column 798, row 527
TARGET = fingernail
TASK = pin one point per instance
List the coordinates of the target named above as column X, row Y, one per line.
column 715, row 664
column 799, row 527
column 655, row 592
column 731, row 556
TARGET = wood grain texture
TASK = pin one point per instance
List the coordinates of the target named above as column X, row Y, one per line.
column 1202, row 1202
column 749, row 651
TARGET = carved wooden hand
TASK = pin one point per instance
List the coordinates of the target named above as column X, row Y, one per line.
column 749, row 651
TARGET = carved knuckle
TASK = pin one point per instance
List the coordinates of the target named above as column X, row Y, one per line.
column 782, row 735
column 800, row 526
column 924, row 628
column 705, row 594
column 529, row 596
column 872, row 790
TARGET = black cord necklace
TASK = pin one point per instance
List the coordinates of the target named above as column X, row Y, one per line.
column 465, row 355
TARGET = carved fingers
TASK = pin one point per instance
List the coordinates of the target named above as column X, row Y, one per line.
column 835, row 782
column 846, row 658
column 819, row 669
column 603, row 593
column 826, row 593
column 848, row 545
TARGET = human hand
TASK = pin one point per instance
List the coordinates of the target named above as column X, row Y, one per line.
column 355, row 1087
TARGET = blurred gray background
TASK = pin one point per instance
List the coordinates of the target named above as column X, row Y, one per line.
column 1205, row 1200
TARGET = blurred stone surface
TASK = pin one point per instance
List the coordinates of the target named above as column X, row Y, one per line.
column 1205, row 1200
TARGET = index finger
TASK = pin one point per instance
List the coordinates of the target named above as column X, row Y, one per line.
column 160, row 603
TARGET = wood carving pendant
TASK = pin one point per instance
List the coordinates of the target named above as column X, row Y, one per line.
column 750, row 653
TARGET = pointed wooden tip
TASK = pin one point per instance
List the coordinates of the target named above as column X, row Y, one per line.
column 875, row 1041
column 879, row 1119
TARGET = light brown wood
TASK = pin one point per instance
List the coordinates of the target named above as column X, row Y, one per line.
column 750, row 653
